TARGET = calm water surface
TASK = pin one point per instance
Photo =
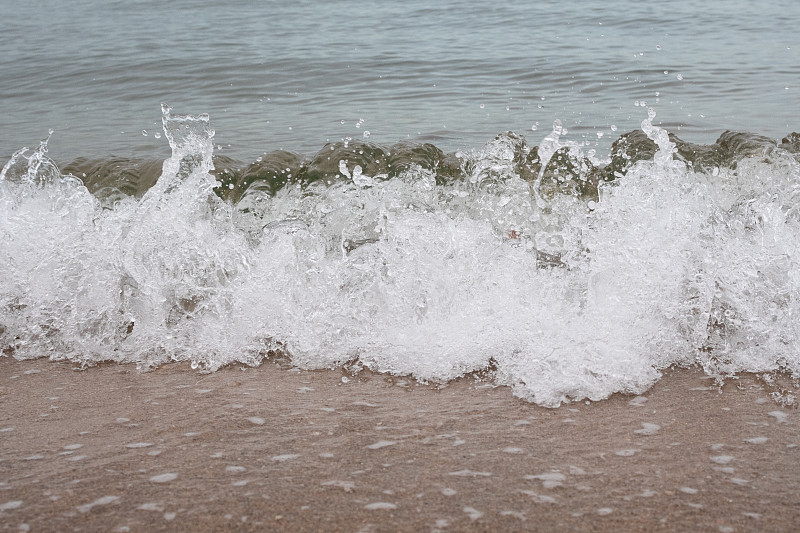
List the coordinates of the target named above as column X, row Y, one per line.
column 294, row 75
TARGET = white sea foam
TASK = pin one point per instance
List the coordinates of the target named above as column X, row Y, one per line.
column 722, row 459
column 347, row 486
column 9, row 505
column 648, row 429
column 380, row 506
column 105, row 500
column 473, row 513
column 539, row 498
column 285, row 457
column 780, row 416
column 164, row 478
column 381, row 444
column 668, row 266
column 549, row 479
column 151, row 507
column 470, row 473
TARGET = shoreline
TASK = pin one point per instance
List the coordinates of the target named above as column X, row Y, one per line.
column 272, row 448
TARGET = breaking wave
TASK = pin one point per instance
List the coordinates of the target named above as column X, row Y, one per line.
column 561, row 273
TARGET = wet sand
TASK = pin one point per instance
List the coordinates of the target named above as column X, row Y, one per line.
column 272, row 449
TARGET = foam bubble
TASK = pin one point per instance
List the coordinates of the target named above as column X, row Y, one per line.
column 105, row 500
column 164, row 478
column 380, row 506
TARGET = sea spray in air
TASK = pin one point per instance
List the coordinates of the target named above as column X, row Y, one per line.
column 567, row 276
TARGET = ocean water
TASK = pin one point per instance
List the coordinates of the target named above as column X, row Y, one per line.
column 294, row 75
column 567, row 197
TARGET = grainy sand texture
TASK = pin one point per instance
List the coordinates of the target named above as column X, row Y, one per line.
column 278, row 449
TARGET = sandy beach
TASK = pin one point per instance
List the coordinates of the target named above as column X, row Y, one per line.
column 279, row 449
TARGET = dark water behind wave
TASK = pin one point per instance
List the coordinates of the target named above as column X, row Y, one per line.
column 275, row 170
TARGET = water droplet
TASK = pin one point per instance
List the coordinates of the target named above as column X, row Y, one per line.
column 482, row 106
column 144, row 132
column 613, row 127
column 366, row 134
column 679, row 76
column 658, row 47
column 157, row 135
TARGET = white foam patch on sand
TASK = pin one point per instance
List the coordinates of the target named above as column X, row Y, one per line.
column 722, row 459
column 648, row 429
column 639, row 401
column 539, row 498
column 511, row 449
column 473, row 513
column 780, row 416
column 347, row 486
column 381, row 444
column 549, row 479
column 164, row 478
column 105, row 500
column 469, row 473
column 151, row 507
column 13, row 504
column 626, row 453
column 380, row 506
column 285, row 457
